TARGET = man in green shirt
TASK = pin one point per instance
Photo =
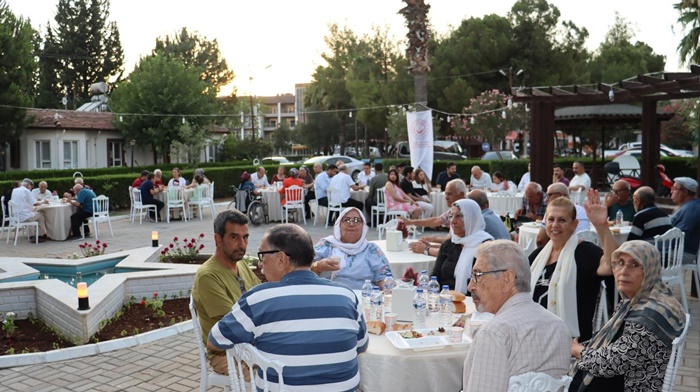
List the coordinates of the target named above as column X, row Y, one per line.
column 620, row 199
column 222, row 279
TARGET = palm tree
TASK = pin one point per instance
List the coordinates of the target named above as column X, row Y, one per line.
column 689, row 46
column 416, row 14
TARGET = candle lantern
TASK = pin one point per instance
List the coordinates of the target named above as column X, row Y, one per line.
column 83, row 301
column 154, row 239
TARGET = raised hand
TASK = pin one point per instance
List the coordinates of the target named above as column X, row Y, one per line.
column 597, row 213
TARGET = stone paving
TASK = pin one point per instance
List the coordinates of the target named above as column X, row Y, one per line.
column 172, row 364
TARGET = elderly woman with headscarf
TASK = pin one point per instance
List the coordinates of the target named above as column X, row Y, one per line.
column 631, row 351
column 453, row 266
column 289, row 181
column 565, row 278
column 194, row 183
column 358, row 258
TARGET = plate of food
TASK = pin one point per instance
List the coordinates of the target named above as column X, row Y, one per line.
column 424, row 339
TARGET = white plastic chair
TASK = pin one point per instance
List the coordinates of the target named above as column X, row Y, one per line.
column 5, row 216
column 530, row 246
column 391, row 225
column 200, row 198
column 333, row 205
column 140, row 207
column 316, row 192
column 380, row 208
column 175, row 200
column 670, row 244
column 695, row 270
column 538, row 382
column 676, row 357
column 100, row 213
column 210, row 199
column 207, row 379
column 16, row 224
column 294, row 200
column 388, row 214
column 131, row 200
column 246, row 352
column 590, row 236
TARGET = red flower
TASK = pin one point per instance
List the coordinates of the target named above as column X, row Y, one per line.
column 189, row 245
column 175, row 239
column 164, row 251
column 82, row 246
column 143, row 302
column 201, row 235
column 172, row 246
column 104, row 245
column 193, row 240
column 201, row 246
column 97, row 242
column 155, row 295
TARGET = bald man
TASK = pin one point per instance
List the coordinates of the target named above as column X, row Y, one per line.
column 649, row 220
column 479, row 179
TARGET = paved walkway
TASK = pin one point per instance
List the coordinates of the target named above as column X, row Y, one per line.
column 172, row 364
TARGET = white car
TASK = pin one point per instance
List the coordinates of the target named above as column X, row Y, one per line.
column 354, row 166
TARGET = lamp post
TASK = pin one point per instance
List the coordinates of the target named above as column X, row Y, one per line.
column 132, row 143
column 509, row 75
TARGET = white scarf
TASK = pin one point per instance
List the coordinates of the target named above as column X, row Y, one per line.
column 343, row 249
column 561, row 296
column 474, row 235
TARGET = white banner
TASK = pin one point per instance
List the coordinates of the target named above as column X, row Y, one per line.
column 420, row 140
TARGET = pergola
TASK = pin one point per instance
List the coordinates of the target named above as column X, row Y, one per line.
column 647, row 89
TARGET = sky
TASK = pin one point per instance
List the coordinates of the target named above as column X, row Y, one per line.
column 288, row 36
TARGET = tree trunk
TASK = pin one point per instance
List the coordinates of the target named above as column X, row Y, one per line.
column 420, row 87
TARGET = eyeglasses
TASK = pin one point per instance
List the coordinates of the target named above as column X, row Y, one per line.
column 477, row 275
column 348, row 221
column 633, row 265
column 262, row 254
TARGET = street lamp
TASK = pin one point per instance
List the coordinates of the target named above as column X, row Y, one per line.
column 132, row 143
column 509, row 75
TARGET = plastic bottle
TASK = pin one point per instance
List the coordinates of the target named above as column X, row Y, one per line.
column 618, row 218
column 423, row 280
column 389, row 284
column 433, row 295
column 419, row 309
column 366, row 297
column 446, row 307
column 377, row 305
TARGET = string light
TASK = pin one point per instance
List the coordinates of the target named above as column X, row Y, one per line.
column 503, row 114
column 183, row 120
column 121, row 119
column 472, row 120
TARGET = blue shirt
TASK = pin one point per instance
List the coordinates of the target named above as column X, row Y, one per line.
column 494, row 225
column 85, row 197
column 321, row 184
column 314, row 326
column 370, row 264
column 687, row 218
column 146, row 196
column 443, row 179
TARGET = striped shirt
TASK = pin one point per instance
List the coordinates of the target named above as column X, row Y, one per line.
column 649, row 222
column 314, row 326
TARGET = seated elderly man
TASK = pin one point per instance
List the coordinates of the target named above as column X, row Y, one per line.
column 343, row 183
column 25, row 201
column 620, row 200
column 523, row 336
column 479, row 179
column 650, row 220
column 554, row 192
column 42, row 192
column 82, row 200
column 321, row 184
column 315, row 326
column 687, row 218
column 534, row 204
column 260, row 178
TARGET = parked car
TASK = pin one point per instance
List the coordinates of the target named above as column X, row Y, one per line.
column 443, row 150
column 671, row 152
column 493, row 156
column 281, row 161
column 637, row 152
column 354, row 166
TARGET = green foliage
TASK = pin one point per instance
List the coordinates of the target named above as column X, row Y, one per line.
column 689, row 19
column 681, row 131
column 195, row 51
column 8, row 324
column 17, row 67
column 83, row 48
column 246, row 149
column 282, row 138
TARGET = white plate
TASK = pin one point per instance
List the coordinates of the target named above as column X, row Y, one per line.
column 426, row 342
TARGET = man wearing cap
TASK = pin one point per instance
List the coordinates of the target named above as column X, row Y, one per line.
column 687, row 218
column 25, row 201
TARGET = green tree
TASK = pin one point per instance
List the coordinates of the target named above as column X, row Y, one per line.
column 83, row 49
column 689, row 18
column 246, row 149
column 196, row 51
column 169, row 101
column 316, row 133
column 17, row 68
column 282, row 138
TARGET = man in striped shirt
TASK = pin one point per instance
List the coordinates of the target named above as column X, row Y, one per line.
column 649, row 220
column 314, row 326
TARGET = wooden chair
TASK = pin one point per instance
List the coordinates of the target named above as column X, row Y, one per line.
column 207, row 379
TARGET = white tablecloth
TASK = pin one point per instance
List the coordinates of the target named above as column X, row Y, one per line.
column 501, row 203
column 386, row 368
column 402, row 260
column 271, row 196
column 439, row 203
column 57, row 219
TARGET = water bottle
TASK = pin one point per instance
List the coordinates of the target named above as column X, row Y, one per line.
column 377, row 305
column 389, row 285
column 366, row 298
column 446, row 307
column 433, row 295
column 618, row 218
column 419, row 309
column 423, row 280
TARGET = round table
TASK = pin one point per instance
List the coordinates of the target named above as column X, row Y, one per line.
column 437, row 199
column 502, row 202
column 400, row 261
column 57, row 219
column 271, row 196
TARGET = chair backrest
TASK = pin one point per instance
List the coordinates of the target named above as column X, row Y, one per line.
column 294, row 195
column 670, row 244
column 210, row 193
column 131, row 194
column 381, row 201
column 246, row 352
column 676, row 357
column 332, row 202
column 540, row 382
column 5, row 217
column 14, row 213
column 198, row 335
column 136, row 192
column 391, row 225
column 590, row 236
column 175, row 195
column 100, row 206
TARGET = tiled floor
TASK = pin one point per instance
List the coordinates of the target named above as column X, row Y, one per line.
column 172, row 364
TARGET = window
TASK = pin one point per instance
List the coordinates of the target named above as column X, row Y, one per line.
column 211, row 152
column 43, row 154
column 70, row 154
column 290, row 109
column 115, row 152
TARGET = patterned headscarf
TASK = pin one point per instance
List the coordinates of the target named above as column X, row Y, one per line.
column 294, row 173
column 653, row 306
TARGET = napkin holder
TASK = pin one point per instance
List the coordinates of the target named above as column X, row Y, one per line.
column 394, row 241
column 402, row 303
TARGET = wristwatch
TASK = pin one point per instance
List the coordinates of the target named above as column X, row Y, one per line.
column 427, row 251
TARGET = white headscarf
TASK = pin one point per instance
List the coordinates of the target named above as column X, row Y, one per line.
column 561, row 296
column 474, row 235
column 342, row 249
